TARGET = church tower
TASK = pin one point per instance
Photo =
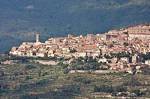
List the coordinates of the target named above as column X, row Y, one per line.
column 37, row 37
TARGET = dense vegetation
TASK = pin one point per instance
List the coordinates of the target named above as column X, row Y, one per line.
column 29, row 80
column 59, row 17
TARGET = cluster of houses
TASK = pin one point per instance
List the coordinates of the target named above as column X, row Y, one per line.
column 133, row 40
column 70, row 46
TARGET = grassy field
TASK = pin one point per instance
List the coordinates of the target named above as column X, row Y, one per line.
column 35, row 81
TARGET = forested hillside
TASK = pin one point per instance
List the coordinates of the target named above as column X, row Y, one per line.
column 20, row 18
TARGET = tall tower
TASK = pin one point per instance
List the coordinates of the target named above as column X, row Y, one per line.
column 37, row 37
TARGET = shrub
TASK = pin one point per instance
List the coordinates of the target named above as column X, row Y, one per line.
column 120, row 89
column 45, row 73
column 103, row 88
column 66, row 70
column 42, row 82
column 28, row 77
column 137, row 92
column 82, row 80
column 132, row 82
column 30, row 66
column 71, row 89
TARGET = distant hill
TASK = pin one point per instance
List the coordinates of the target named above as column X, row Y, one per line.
column 20, row 18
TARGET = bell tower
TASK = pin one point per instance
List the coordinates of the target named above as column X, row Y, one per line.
column 37, row 37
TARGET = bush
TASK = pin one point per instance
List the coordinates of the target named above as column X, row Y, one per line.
column 146, row 71
column 137, row 92
column 71, row 89
column 45, row 73
column 82, row 80
column 66, row 71
column 42, row 82
column 28, row 77
column 120, row 89
column 103, row 88
column 2, row 73
column 132, row 82
column 30, row 66
column 110, row 89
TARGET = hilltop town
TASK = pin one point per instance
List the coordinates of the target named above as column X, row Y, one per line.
column 115, row 64
column 120, row 49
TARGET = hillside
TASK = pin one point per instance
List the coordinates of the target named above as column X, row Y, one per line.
column 24, row 78
column 20, row 18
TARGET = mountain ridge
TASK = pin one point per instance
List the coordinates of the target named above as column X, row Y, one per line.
column 20, row 18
